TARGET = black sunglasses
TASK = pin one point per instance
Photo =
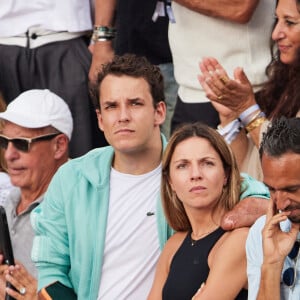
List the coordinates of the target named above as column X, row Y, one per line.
column 290, row 274
column 23, row 144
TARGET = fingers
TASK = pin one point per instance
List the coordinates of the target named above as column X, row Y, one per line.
column 240, row 76
column 273, row 224
column 209, row 93
column 3, row 268
column 271, row 210
column 20, row 274
column 25, row 284
column 213, row 78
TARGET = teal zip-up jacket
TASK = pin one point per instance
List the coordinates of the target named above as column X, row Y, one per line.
column 70, row 224
column 70, row 236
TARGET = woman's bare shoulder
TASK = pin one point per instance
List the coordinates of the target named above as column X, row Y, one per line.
column 175, row 241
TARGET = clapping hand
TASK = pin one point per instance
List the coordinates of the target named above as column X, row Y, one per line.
column 235, row 94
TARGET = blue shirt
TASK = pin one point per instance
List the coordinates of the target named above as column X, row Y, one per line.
column 255, row 259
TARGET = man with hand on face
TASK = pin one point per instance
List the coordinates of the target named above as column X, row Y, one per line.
column 273, row 241
column 37, row 127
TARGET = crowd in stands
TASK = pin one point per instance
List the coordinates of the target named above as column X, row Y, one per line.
column 150, row 150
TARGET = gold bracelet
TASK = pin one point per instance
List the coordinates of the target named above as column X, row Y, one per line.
column 255, row 123
column 253, row 117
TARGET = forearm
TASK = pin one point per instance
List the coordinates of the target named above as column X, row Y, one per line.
column 239, row 11
column 102, row 49
column 255, row 136
column 104, row 12
column 269, row 288
column 239, row 147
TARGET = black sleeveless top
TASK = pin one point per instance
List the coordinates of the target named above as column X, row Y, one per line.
column 189, row 268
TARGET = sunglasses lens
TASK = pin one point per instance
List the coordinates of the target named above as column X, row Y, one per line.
column 288, row 276
column 20, row 144
column 3, row 142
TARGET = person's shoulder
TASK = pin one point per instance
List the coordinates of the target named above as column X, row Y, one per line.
column 91, row 158
column 175, row 241
column 259, row 224
column 239, row 233
column 232, row 242
column 93, row 167
column 235, row 237
column 255, row 235
column 171, row 247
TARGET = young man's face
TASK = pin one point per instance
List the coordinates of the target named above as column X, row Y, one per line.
column 127, row 115
column 282, row 176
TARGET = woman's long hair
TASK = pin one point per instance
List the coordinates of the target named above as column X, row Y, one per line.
column 280, row 95
column 173, row 207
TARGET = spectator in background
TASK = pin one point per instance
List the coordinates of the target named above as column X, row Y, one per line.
column 35, row 137
column 5, row 184
column 280, row 96
column 235, row 32
column 137, row 33
column 44, row 45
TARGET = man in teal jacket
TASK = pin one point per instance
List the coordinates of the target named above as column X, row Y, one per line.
column 100, row 228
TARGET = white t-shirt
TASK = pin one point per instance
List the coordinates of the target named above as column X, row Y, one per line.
column 195, row 36
column 16, row 16
column 131, row 245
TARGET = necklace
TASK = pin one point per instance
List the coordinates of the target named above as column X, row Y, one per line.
column 198, row 237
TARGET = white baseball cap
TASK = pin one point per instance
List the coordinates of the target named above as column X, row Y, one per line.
column 40, row 108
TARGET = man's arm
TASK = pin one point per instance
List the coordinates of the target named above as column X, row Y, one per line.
column 276, row 246
column 103, row 50
column 270, row 282
column 50, row 251
column 239, row 11
column 253, row 204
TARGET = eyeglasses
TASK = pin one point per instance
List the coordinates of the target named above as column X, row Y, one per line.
column 290, row 274
column 23, row 144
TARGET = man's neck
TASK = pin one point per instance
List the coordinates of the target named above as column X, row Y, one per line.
column 139, row 162
column 27, row 197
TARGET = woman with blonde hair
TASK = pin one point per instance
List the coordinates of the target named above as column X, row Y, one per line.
column 200, row 183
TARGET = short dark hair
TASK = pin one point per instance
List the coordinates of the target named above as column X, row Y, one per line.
column 282, row 136
column 134, row 66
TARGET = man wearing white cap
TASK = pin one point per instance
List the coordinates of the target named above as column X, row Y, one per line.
column 36, row 133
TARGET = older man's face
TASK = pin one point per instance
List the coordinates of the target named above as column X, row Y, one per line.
column 282, row 176
column 33, row 170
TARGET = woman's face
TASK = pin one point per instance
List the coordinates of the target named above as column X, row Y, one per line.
column 286, row 33
column 197, row 174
